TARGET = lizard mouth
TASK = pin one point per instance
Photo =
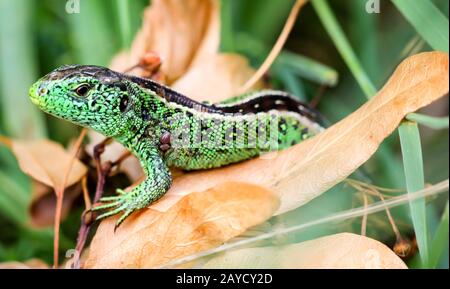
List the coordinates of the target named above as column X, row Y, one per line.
column 37, row 90
column 33, row 92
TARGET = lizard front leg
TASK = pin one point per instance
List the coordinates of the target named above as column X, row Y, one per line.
column 155, row 185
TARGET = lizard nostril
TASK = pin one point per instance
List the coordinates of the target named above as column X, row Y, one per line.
column 42, row 90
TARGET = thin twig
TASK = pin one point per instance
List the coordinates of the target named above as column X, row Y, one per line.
column 364, row 219
column 276, row 48
column 116, row 163
column 60, row 196
column 402, row 245
column 318, row 96
column 88, row 218
column 86, row 197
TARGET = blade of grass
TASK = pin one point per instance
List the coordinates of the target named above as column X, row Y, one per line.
column 440, row 240
column 429, row 22
column 13, row 200
column 226, row 26
column 276, row 11
column 342, row 44
column 308, row 68
column 123, row 14
column 429, row 121
column 365, row 35
column 302, row 66
column 91, row 34
column 413, row 166
column 291, row 82
column 18, row 71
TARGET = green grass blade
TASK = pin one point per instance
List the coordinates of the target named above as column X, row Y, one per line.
column 302, row 66
column 308, row 68
column 413, row 166
column 365, row 38
column 343, row 45
column 123, row 13
column 440, row 240
column 269, row 11
column 429, row 121
column 13, row 200
column 20, row 117
column 226, row 26
column 91, row 34
column 291, row 82
column 429, row 22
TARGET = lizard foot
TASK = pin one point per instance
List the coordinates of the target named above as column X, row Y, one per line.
column 124, row 202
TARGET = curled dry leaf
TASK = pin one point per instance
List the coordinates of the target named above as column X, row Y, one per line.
column 340, row 251
column 217, row 78
column 181, row 32
column 199, row 221
column 46, row 162
column 306, row 170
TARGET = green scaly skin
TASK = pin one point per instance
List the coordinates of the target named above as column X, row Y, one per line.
column 163, row 128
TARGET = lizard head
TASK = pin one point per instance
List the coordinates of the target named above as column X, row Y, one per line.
column 90, row 96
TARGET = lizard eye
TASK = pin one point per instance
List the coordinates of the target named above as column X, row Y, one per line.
column 82, row 90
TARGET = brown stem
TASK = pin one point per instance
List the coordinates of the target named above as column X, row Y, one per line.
column 123, row 157
column 318, row 96
column 88, row 218
column 276, row 48
column 60, row 196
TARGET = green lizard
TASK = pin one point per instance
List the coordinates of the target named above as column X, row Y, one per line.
column 163, row 128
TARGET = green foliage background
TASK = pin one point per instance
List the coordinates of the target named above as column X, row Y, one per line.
column 38, row 36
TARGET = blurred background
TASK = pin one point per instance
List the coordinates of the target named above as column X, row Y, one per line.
column 38, row 36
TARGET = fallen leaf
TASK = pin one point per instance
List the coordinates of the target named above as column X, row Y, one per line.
column 45, row 161
column 197, row 222
column 304, row 171
column 43, row 204
column 30, row 264
column 181, row 32
column 224, row 75
column 340, row 251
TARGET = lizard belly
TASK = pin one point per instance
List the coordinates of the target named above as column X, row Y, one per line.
column 207, row 158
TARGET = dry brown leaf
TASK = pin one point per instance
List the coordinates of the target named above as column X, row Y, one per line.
column 216, row 78
column 181, row 32
column 43, row 204
column 46, row 161
column 304, row 171
column 199, row 221
column 340, row 251
column 30, row 264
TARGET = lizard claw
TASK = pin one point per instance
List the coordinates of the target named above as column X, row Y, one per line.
column 120, row 203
